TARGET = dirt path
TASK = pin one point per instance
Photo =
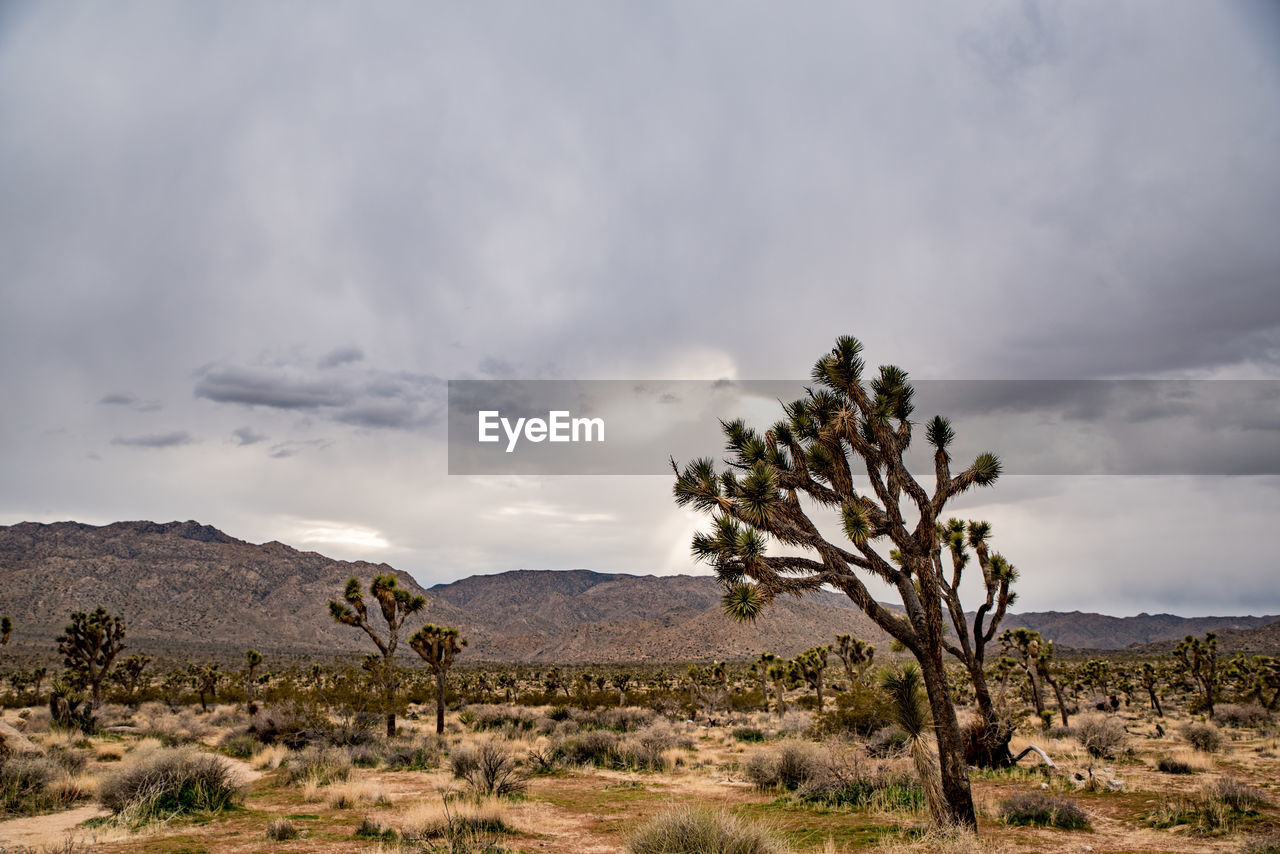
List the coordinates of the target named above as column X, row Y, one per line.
column 51, row 829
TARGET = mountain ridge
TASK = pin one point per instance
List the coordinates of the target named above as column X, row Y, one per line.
column 187, row 583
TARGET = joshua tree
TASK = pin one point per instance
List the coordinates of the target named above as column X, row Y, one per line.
column 205, row 679
column 855, row 655
column 777, row 671
column 252, row 660
column 438, row 646
column 396, row 604
column 911, row 713
column 811, row 664
column 621, row 680
column 507, row 682
column 990, row 746
column 128, row 675
column 1024, row 647
column 1147, row 674
column 1200, row 659
column 88, row 646
column 812, row 454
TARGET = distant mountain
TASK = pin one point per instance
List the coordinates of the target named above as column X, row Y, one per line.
column 1099, row 631
column 190, row 585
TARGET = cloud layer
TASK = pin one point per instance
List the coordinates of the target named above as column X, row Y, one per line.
column 245, row 246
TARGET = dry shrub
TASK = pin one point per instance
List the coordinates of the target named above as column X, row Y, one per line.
column 488, row 768
column 1101, row 737
column 269, row 758
column 593, row 747
column 1245, row 715
column 377, row 829
column 1267, row 843
column 646, row 750
column 686, row 830
column 320, row 765
column 1040, row 809
column 788, row 766
column 34, row 784
column 941, row 840
column 170, row 782
column 1206, row 738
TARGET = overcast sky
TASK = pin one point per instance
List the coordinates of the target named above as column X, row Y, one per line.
column 244, row 245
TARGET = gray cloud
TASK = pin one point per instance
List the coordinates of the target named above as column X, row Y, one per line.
column 247, row 436
column 172, row 439
column 341, row 356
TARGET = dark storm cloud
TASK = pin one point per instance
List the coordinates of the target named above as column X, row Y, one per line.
column 247, row 436
column 362, row 397
column 173, row 439
column 118, row 400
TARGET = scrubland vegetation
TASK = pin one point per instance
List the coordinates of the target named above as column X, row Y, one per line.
column 698, row 759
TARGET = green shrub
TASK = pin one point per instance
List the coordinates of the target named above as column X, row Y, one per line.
column 748, row 734
column 240, row 745
column 593, row 747
column 372, row 828
column 1170, row 765
column 685, row 830
column 1215, row 808
column 168, row 782
column 861, row 710
column 1040, row 809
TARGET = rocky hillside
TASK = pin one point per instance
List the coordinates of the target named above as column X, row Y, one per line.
column 188, row 585
column 181, row 583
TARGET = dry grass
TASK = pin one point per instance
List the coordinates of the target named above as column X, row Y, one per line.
column 355, row 794
column 450, row 816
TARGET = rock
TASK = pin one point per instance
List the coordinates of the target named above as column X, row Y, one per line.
column 14, row 743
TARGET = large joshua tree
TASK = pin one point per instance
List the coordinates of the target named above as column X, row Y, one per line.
column 438, row 646
column 812, row 457
column 396, row 604
column 88, row 646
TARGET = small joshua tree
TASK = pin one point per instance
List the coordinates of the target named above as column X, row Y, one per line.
column 1200, row 659
column 128, row 675
column 88, row 646
column 855, row 655
column 910, row 711
column 1147, row 675
column 811, row 665
column 252, row 660
column 396, row 605
column 621, row 680
column 205, row 679
column 438, row 646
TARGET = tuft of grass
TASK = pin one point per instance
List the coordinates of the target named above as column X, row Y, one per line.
column 349, row 795
column 454, row 820
column 1216, row 808
column 687, row 830
column 788, row 766
column 1042, row 810
column 376, row 829
column 281, row 830
column 169, row 782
